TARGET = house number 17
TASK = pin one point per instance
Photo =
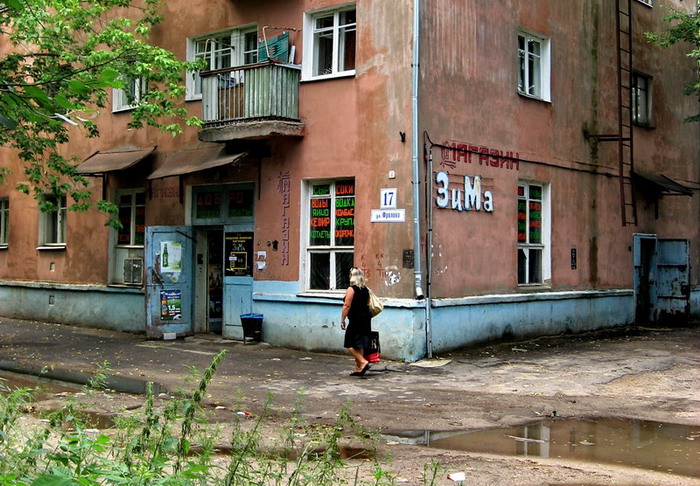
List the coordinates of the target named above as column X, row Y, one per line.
column 388, row 198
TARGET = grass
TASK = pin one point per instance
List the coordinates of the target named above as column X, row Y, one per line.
column 174, row 444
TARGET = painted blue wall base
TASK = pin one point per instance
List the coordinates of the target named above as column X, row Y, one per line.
column 115, row 308
column 312, row 321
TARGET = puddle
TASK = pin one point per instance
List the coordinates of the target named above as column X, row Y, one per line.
column 643, row 444
column 42, row 387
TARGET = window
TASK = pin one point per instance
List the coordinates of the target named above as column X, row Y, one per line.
column 221, row 51
column 52, row 222
column 4, row 221
column 641, row 99
column 533, row 234
column 533, row 66
column 329, row 43
column 128, row 250
column 127, row 97
column 647, row 2
column 331, row 225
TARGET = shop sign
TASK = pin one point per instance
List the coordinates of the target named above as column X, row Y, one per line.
column 239, row 254
column 462, row 198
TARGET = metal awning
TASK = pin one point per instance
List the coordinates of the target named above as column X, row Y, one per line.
column 113, row 160
column 188, row 161
column 663, row 185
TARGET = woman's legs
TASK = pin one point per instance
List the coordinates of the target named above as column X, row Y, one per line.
column 360, row 361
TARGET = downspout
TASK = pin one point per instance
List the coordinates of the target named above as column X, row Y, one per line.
column 417, row 269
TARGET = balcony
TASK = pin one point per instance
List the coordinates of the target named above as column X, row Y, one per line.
column 250, row 102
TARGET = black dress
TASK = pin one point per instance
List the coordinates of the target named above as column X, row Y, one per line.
column 360, row 325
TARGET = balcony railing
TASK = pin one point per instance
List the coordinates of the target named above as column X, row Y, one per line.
column 248, row 93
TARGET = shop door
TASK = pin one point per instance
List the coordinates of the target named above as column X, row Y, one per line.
column 215, row 279
column 238, row 278
column 169, row 280
column 673, row 287
column 646, row 309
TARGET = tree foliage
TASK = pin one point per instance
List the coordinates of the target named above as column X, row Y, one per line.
column 59, row 59
column 685, row 28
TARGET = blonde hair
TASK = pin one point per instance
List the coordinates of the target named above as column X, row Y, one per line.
column 357, row 277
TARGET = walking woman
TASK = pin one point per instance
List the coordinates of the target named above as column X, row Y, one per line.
column 356, row 309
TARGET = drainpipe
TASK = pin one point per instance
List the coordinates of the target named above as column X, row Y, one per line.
column 417, row 270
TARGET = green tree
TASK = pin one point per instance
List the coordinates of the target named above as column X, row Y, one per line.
column 685, row 28
column 58, row 60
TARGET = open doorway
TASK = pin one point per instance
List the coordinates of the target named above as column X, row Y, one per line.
column 215, row 278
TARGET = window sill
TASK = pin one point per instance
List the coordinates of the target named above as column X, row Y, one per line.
column 3, row 247
column 123, row 109
column 325, row 77
column 61, row 246
column 535, row 98
column 649, row 126
column 328, row 294
column 193, row 98
column 118, row 285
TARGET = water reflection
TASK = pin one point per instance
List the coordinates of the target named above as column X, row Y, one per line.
column 645, row 444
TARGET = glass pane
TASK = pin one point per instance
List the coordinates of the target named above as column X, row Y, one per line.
column 535, row 266
column 521, row 72
column 208, row 204
column 125, row 200
column 343, row 264
column 347, row 17
column 124, row 233
column 321, row 190
column 140, row 198
column 536, row 192
column 534, row 72
column 320, row 271
column 320, row 222
column 324, row 22
column 345, row 188
column 522, row 221
column 240, row 202
column 345, row 221
column 535, row 226
column 522, row 266
column 346, row 56
column 139, row 225
column 323, row 45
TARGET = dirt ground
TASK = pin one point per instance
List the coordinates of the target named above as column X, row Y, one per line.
column 629, row 373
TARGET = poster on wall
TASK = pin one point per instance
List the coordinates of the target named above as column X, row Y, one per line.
column 170, row 257
column 170, row 305
column 238, row 249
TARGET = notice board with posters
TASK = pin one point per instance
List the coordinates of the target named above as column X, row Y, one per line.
column 238, row 256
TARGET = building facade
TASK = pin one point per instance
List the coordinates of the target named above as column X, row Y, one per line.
column 498, row 169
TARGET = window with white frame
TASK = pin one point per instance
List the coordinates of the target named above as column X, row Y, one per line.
column 650, row 3
column 331, row 230
column 641, row 99
column 127, row 97
column 4, row 221
column 533, row 233
column 52, row 222
column 330, row 38
column 221, row 50
column 534, row 65
column 128, row 249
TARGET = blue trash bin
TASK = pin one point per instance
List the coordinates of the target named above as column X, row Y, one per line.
column 252, row 326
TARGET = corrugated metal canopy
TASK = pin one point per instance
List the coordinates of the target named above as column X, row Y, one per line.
column 188, row 161
column 113, row 160
column 663, row 185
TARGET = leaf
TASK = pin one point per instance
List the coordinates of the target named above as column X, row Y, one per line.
column 8, row 123
column 78, row 87
column 51, row 480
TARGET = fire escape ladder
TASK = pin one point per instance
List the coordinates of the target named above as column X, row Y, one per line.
column 625, row 112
